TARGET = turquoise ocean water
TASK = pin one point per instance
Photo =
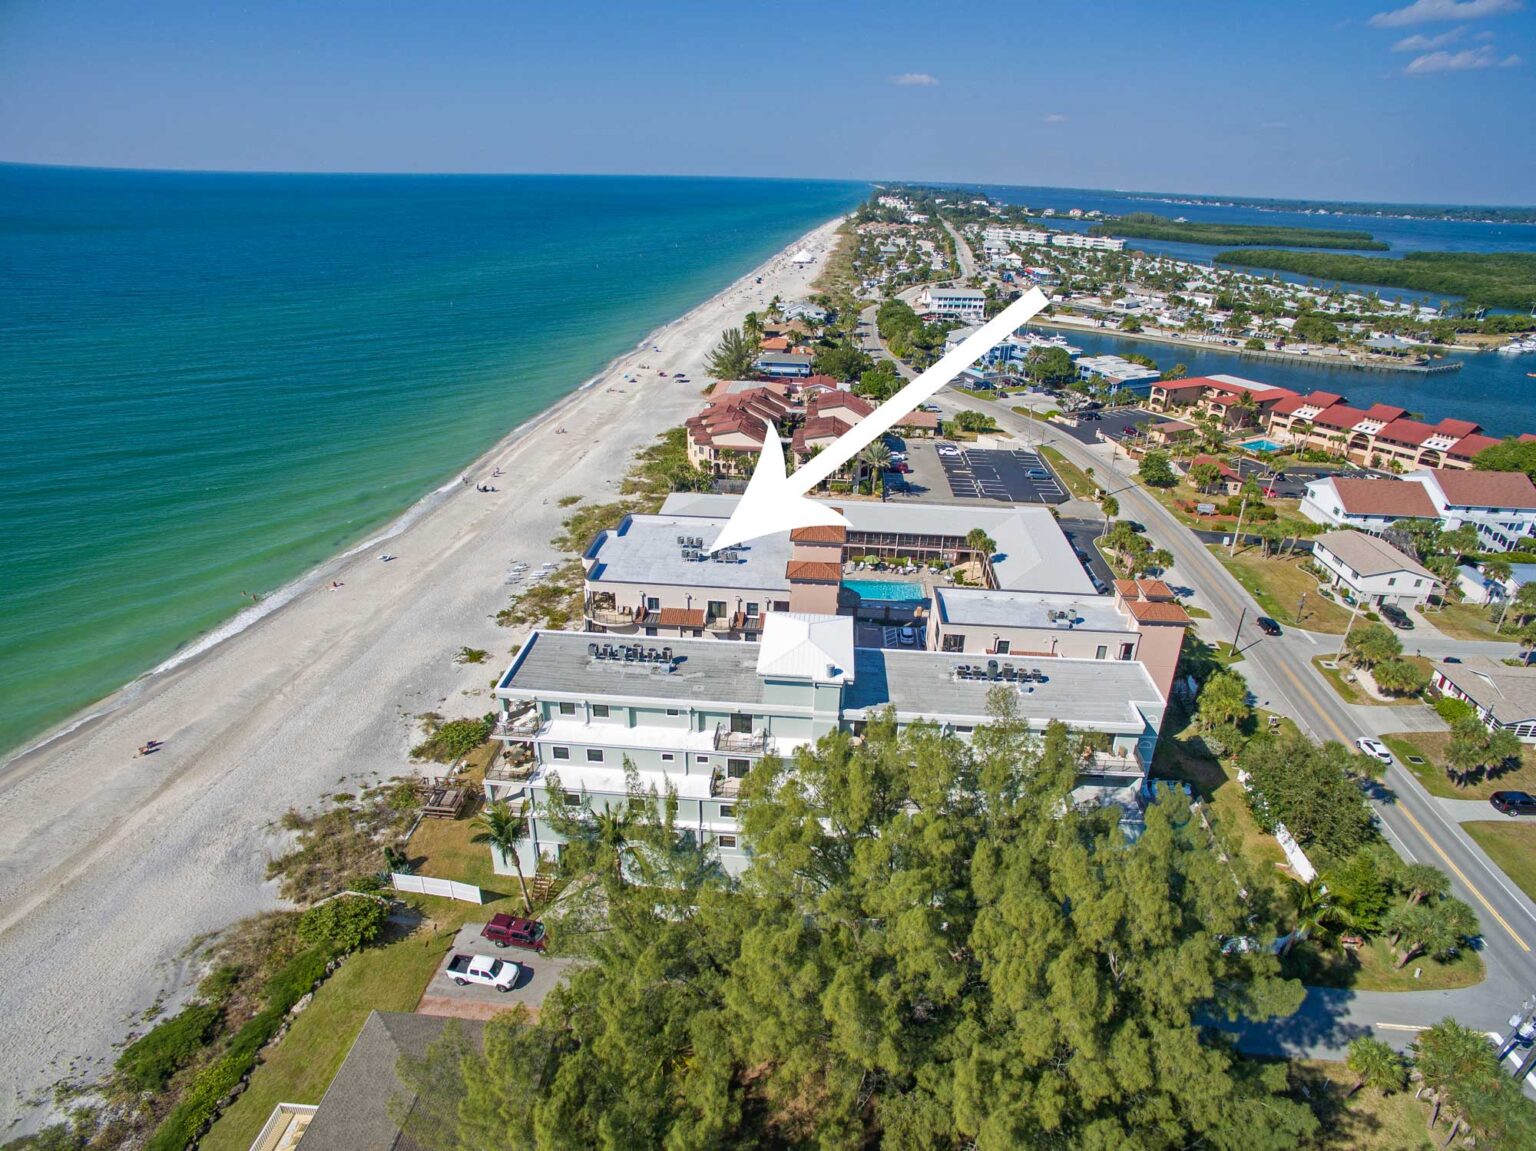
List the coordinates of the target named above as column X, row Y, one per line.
column 212, row 383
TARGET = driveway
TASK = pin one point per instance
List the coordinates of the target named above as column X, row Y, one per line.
column 445, row 997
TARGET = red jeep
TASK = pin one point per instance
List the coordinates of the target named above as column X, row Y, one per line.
column 510, row 931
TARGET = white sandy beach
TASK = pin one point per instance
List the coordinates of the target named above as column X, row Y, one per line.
column 111, row 865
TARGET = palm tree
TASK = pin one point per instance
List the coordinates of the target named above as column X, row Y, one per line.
column 752, row 327
column 876, row 457
column 734, row 358
column 1423, row 881
column 980, row 542
column 1375, row 1065
column 611, row 830
column 502, row 828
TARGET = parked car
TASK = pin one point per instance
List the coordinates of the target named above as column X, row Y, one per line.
column 1396, row 616
column 510, row 931
column 948, row 450
column 1267, row 625
column 1514, row 802
column 1375, row 749
column 1089, row 417
column 1038, row 474
column 484, row 970
column 906, row 636
column 901, row 466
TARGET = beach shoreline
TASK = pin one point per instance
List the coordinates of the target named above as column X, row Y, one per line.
column 110, row 861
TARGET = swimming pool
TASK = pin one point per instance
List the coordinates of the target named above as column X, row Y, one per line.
column 1262, row 446
column 886, row 589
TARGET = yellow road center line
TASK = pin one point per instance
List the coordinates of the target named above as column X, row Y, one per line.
column 1419, row 827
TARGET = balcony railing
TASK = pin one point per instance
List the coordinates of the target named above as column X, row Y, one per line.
column 616, row 617
column 519, row 725
column 722, row 786
column 1109, row 763
column 720, row 623
column 748, row 741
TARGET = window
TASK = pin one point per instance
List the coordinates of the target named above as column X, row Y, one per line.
column 668, row 756
column 567, row 708
column 1101, row 652
column 954, row 643
column 594, row 755
column 781, row 605
column 725, row 841
column 738, row 768
column 650, row 631
column 674, row 711
column 1126, row 649
column 560, row 752
column 1001, row 646
column 727, row 811
column 599, row 711
column 741, row 724
column 703, row 759
column 752, row 608
column 1391, row 581
column 572, row 799
column 652, row 603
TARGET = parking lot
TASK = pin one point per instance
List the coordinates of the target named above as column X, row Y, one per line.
column 1093, row 426
column 445, row 997
column 1016, row 476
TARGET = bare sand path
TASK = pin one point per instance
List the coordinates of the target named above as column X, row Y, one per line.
column 111, row 864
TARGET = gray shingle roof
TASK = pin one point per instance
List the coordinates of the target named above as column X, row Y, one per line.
column 355, row 1114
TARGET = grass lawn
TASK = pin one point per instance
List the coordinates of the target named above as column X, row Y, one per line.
column 1278, row 584
column 1431, row 747
column 1373, row 968
column 1466, row 621
column 389, row 976
column 1353, row 692
column 1511, row 844
column 1365, row 1121
column 1183, row 756
column 1078, row 481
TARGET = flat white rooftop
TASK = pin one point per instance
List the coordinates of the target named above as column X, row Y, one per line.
column 981, row 608
column 1032, row 553
column 646, row 550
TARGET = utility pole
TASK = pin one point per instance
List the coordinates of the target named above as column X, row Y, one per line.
column 1350, row 624
column 1238, row 630
column 1242, row 509
column 1300, row 604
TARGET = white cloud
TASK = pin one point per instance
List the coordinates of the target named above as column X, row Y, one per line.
column 1424, row 11
column 1467, row 60
column 915, row 80
column 1421, row 43
column 1054, row 118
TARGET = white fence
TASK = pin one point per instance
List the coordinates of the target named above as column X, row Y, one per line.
column 1297, row 858
column 448, row 888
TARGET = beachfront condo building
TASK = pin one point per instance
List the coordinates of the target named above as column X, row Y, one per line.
column 584, row 716
column 1499, row 506
column 966, row 304
column 1083, row 240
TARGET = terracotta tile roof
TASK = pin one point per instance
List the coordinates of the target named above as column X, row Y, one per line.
column 1340, row 417
column 1323, row 399
column 682, row 617
column 1154, row 589
column 819, row 534
column 1458, row 428
column 1156, row 611
column 1467, row 447
column 832, row 401
column 1168, row 426
column 1227, row 471
column 1409, row 432
column 775, row 344
column 1291, row 405
column 1397, row 498
column 818, row 428
column 814, row 570
column 1386, row 413
column 1126, row 587
column 1486, row 489
column 919, row 420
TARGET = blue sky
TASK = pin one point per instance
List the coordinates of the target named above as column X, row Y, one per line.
column 1421, row 101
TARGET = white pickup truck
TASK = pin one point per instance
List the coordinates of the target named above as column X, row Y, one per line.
column 483, row 969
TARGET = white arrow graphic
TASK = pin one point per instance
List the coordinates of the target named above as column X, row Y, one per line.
column 775, row 502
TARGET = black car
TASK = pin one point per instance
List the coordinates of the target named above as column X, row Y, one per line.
column 1514, row 802
column 1396, row 616
column 1267, row 625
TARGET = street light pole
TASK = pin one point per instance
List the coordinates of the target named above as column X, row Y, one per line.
column 1300, row 606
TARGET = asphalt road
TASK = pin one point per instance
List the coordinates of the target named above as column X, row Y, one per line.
column 1281, row 676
